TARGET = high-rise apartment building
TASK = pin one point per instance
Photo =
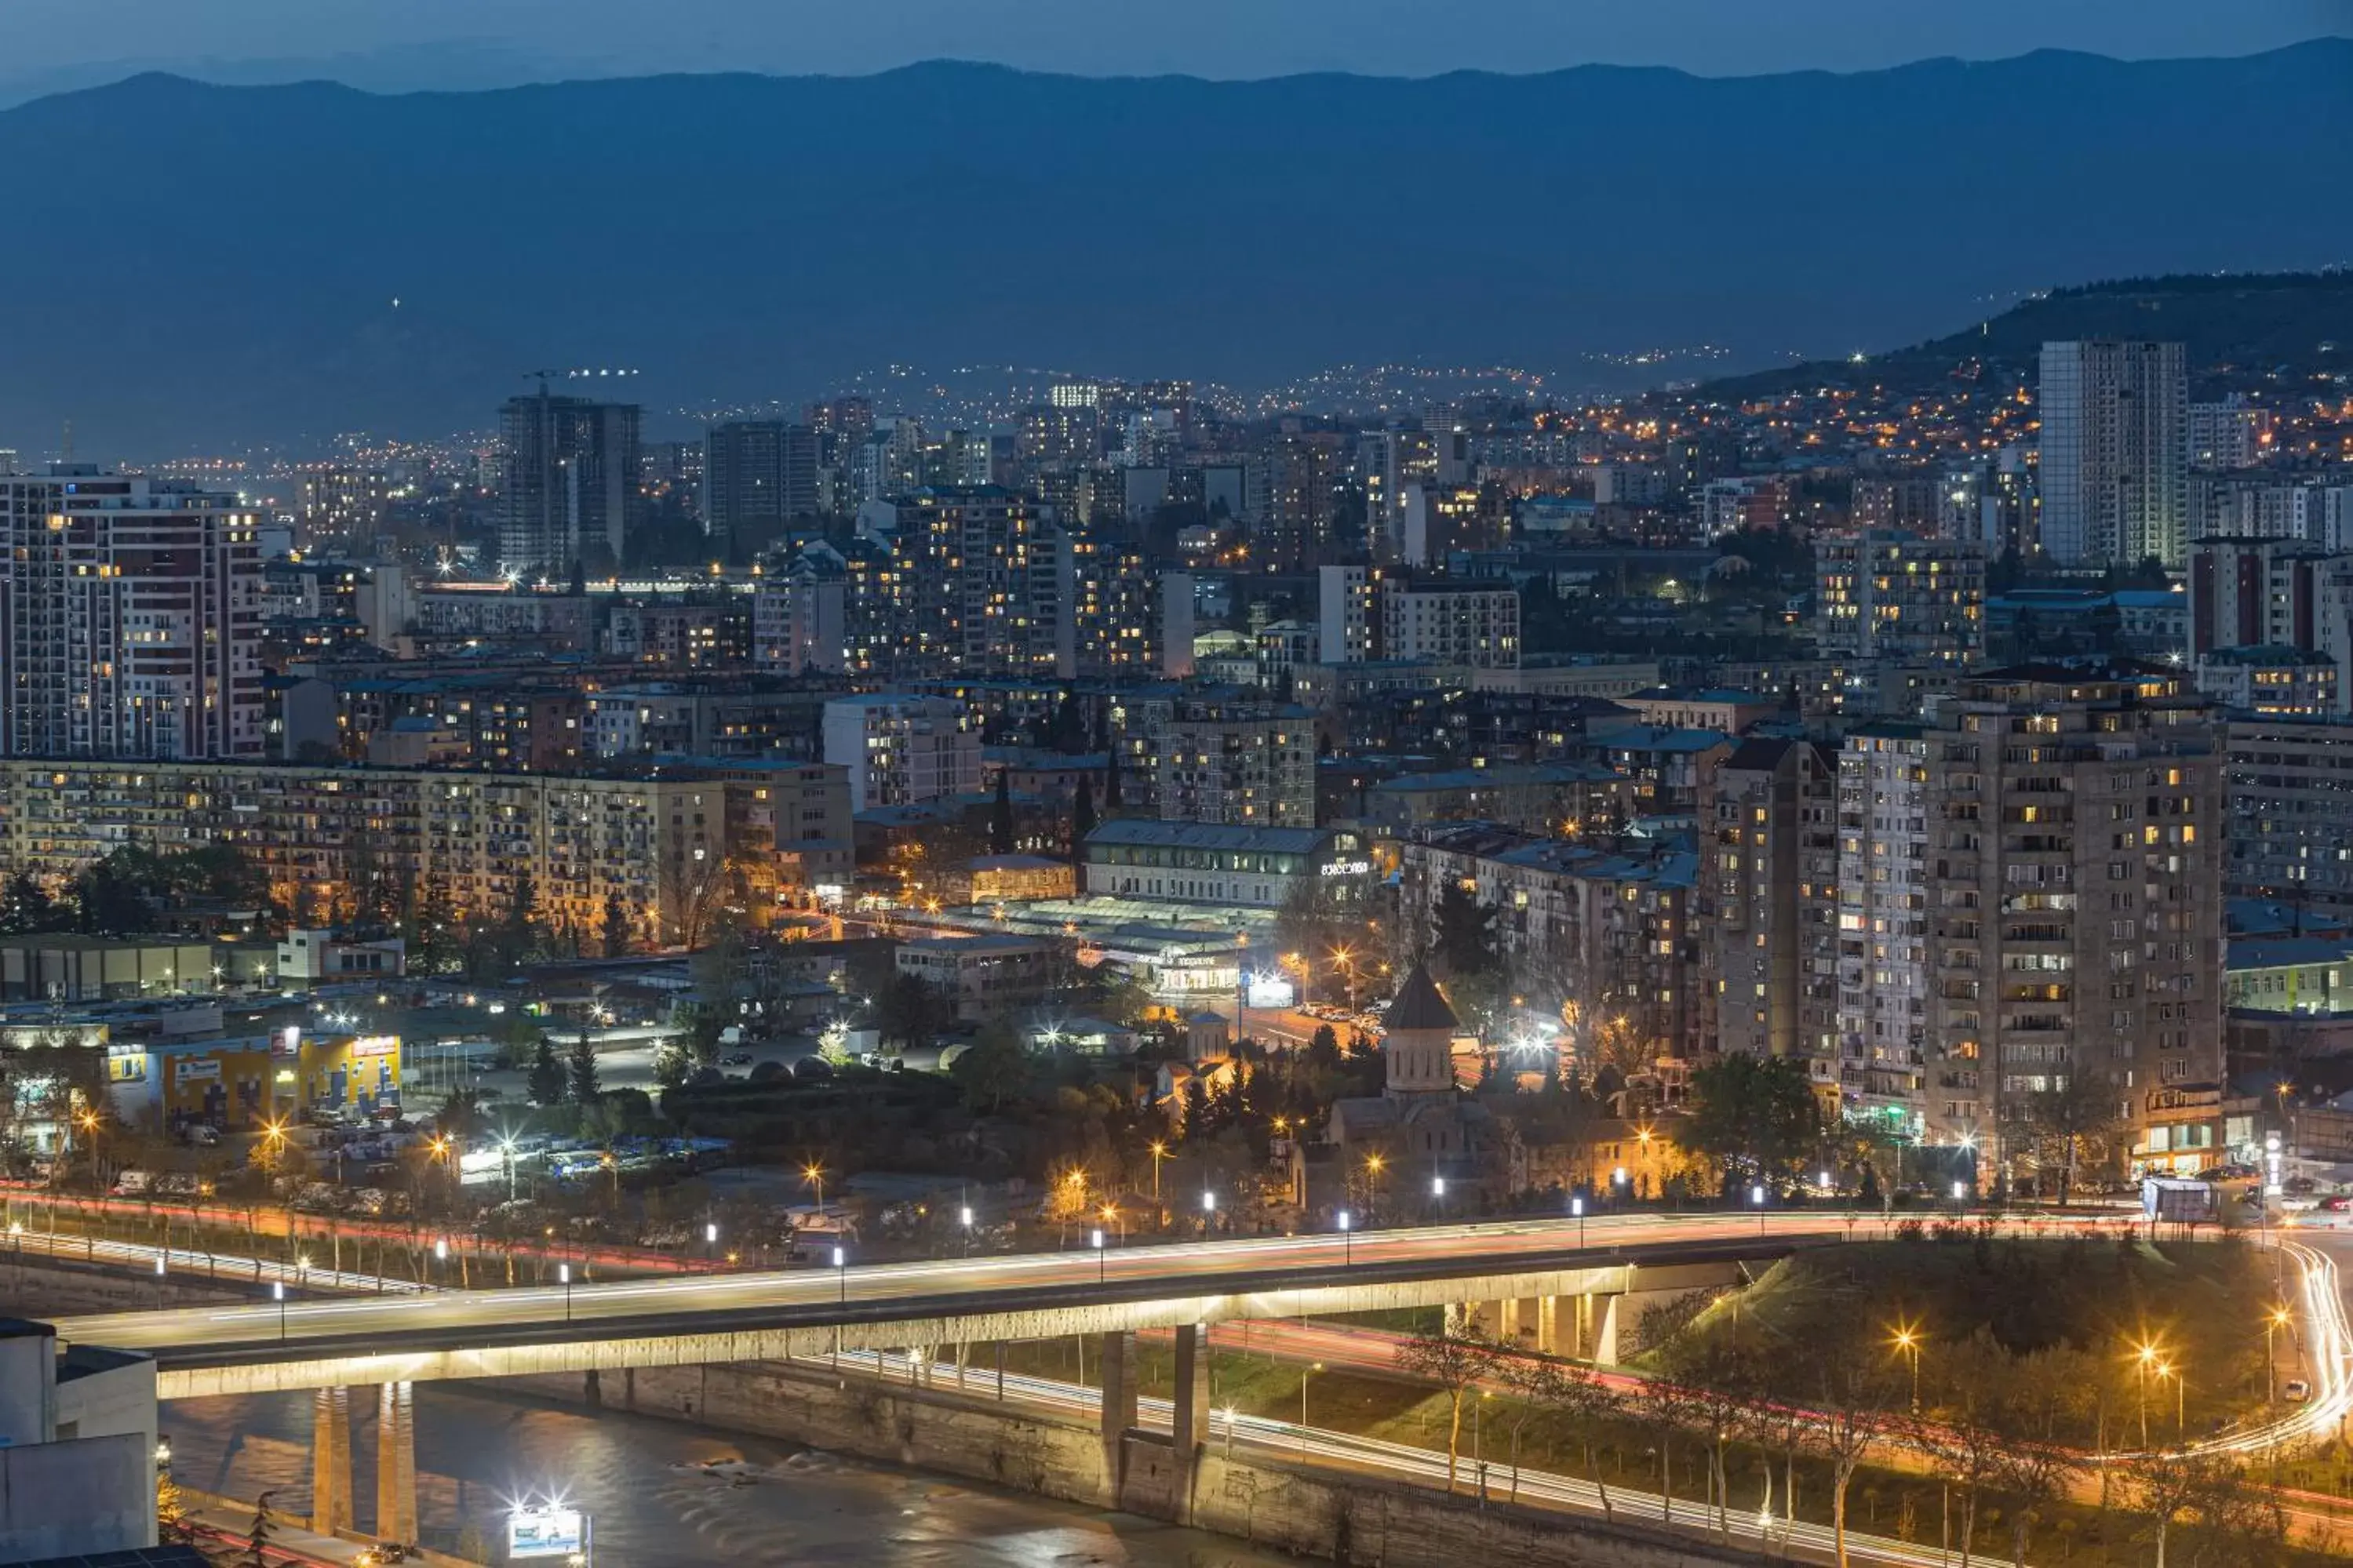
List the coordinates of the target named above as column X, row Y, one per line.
column 757, row 475
column 2076, row 863
column 1881, row 593
column 569, row 494
column 2115, row 452
column 130, row 618
column 1236, row 760
column 2030, row 896
column 901, row 750
column 1766, row 907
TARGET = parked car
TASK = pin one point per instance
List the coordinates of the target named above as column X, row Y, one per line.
column 2295, row 1391
column 736, row 1059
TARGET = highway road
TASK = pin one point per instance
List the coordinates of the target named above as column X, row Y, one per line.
column 818, row 1294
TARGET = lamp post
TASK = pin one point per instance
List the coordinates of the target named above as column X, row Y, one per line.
column 1437, row 1195
column 278, row 1294
column 564, row 1277
column 1159, row 1152
column 2275, row 1319
column 1347, row 1242
column 1208, row 1209
column 2145, row 1359
column 814, row 1173
column 1620, row 1188
column 1576, row 1208
column 159, row 1280
column 1103, row 1259
column 841, row 1269
column 1312, row 1368
column 964, row 1222
column 1907, row 1341
column 1756, row 1198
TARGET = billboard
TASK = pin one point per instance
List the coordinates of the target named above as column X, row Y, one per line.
column 1270, row 991
column 551, row 1532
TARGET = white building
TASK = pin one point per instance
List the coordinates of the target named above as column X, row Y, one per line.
column 2115, row 452
column 800, row 620
column 1883, row 963
column 130, row 619
column 76, row 1448
column 1471, row 624
column 901, row 750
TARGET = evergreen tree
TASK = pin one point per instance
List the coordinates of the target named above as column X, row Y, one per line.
column 519, row 936
column 433, row 930
column 1082, row 818
column 1001, row 815
column 26, row 906
column 547, row 1076
column 581, row 1069
column 616, row 933
column 1463, row 933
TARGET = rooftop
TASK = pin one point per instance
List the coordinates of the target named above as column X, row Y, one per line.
column 1210, row 836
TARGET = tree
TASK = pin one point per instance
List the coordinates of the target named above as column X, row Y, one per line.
column 1001, row 815
column 579, row 1070
column 1665, row 1407
column 1463, row 932
column 435, row 928
column 26, row 906
column 2040, row 1393
column 617, row 923
column 547, row 1079
column 993, row 1069
column 910, row 1010
column 256, row 1537
column 520, row 936
column 1082, row 818
column 2064, row 1123
column 1963, row 1436
column 1752, row 1113
column 1454, row 1359
column 1722, row 1374
column 1576, row 1396
column 1847, row 1383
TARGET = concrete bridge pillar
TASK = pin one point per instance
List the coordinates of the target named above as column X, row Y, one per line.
column 330, row 1460
column 1549, row 1325
column 395, row 1463
column 1189, row 1423
column 1118, row 1405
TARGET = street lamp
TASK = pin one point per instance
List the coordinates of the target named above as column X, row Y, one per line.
column 1438, row 1193
column 563, row 1276
column 814, row 1173
column 964, row 1218
column 2166, row 1369
column 2277, row 1318
column 1577, row 1210
column 1208, row 1208
column 1312, row 1368
column 159, row 1279
column 2146, row 1358
column 278, row 1294
column 1159, row 1152
column 1907, row 1341
column 1347, row 1243
column 1756, row 1198
column 1103, row 1259
column 1620, row 1187
column 841, row 1269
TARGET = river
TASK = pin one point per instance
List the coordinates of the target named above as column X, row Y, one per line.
column 666, row 1495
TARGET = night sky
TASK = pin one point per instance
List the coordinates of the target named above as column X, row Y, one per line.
column 398, row 44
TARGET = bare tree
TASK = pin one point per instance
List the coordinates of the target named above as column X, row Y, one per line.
column 2041, row 1397
column 1665, row 1408
column 1574, row 1395
column 1962, row 1435
column 1723, row 1375
column 1454, row 1359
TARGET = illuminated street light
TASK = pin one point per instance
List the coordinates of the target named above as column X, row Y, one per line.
column 1347, row 1242
column 1907, row 1341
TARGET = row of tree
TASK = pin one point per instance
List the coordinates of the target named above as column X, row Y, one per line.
column 2024, row 1431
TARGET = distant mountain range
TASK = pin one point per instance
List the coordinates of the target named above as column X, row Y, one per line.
column 195, row 265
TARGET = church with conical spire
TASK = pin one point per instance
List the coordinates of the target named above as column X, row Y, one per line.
column 1421, row 1124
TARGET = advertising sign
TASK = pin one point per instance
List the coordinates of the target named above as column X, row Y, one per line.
column 551, row 1532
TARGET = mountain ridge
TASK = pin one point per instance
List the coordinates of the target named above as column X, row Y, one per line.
column 229, row 256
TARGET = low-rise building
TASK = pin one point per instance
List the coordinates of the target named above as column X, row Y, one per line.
column 982, row 976
column 76, row 1449
column 1192, row 863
